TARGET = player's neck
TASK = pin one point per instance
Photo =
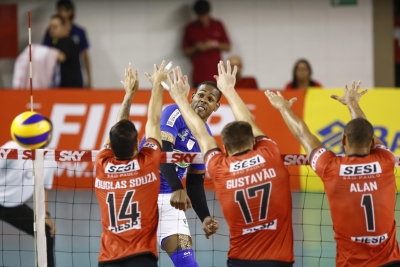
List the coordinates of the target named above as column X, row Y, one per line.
column 357, row 151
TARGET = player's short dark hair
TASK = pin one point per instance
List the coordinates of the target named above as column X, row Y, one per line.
column 68, row 5
column 359, row 132
column 213, row 84
column 56, row 16
column 237, row 135
column 201, row 7
column 123, row 139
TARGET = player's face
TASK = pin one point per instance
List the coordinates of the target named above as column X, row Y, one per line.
column 204, row 101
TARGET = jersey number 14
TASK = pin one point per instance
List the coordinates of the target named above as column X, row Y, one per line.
column 127, row 211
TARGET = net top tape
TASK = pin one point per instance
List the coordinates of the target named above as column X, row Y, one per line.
column 166, row 157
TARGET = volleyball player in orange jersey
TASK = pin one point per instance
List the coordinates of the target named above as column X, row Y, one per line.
column 250, row 178
column 360, row 186
column 127, row 182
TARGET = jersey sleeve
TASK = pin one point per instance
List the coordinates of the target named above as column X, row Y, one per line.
column 263, row 142
column 171, row 120
column 104, row 153
column 201, row 167
column 320, row 159
column 384, row 152
column 212, row 160
column 151, row 151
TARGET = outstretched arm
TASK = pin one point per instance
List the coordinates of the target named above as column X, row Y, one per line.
column 226, row 80
column 179, row 88
column 131, row 85
column 351, row 99
column 296, row 125
column 155, row 103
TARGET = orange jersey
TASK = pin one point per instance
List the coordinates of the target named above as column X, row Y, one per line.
column 254, row 192
column 361, row 194
column 127, row 192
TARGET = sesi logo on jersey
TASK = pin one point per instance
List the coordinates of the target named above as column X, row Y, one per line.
column 360, row 169
column 121, row 168
column 174, row 116
column 247, row 163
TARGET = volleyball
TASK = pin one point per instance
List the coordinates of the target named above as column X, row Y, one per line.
column 30, row 130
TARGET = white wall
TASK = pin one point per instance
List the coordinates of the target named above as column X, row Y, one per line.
column 270, row 35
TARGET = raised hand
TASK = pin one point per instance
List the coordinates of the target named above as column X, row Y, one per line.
column 226, row 79
column 179, row 85
column 351, row 94
column 210, row 226
column 160, row 74
column 131, row 83
column 278, row 101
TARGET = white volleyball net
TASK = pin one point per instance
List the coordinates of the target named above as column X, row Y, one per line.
column 73, row 207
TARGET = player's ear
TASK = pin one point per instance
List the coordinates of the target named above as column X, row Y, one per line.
column 217, row 106
column 344, row 139
column 136, row 148
column 372, row 143
column 192, row 96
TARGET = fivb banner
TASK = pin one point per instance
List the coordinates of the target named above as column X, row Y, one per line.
column 327, row 118
column 82, row 120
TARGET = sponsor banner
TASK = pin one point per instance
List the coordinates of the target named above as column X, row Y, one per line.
column 82, row 120
column 327, row 118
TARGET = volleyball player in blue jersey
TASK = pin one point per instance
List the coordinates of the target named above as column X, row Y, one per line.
column 173, row 230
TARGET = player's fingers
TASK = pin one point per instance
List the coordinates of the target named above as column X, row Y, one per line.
column 335, row 97
column 219, row 68
column 179, row 71
column 175, row 76
column 188, row 203
column 170, row 79
column 162, row 65
column 358, row 85
column 228, row 67
column 364, row 92
column 291, row 101
column 222, row 67
column 278, row 93
column 123, row 83
column 185, row 79
column 234, row 71
column 353, row 84
column 346, row 88
column 216, row 78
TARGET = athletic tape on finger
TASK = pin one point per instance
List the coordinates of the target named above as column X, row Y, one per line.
column 165, row 85
column 169, row 65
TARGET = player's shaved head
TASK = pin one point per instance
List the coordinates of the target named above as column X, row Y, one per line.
column 359, row 132
column 123, row 139
column 237, row 136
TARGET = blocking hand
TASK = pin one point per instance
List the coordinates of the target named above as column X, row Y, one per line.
column 131, row 83
column 278, row 101
column 226, row 79
column 351, row 94
column 179, row 86
column 160, row 74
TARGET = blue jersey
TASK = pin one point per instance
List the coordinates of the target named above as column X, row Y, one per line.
column 173, row 122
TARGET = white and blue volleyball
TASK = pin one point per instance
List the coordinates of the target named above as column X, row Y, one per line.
column 30, row 130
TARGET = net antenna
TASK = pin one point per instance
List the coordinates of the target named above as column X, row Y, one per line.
column 39, row 210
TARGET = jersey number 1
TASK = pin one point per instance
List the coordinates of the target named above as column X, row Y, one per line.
column 368, row 204
column 123, row 213
column 252, row 192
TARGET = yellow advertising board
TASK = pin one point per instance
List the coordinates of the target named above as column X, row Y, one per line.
column 327, row 118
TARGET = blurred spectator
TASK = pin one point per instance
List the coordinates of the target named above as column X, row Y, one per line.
column 302, row 76
column 242, row 82
column 203, row 41
column 69, row 53
column 65, row 9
